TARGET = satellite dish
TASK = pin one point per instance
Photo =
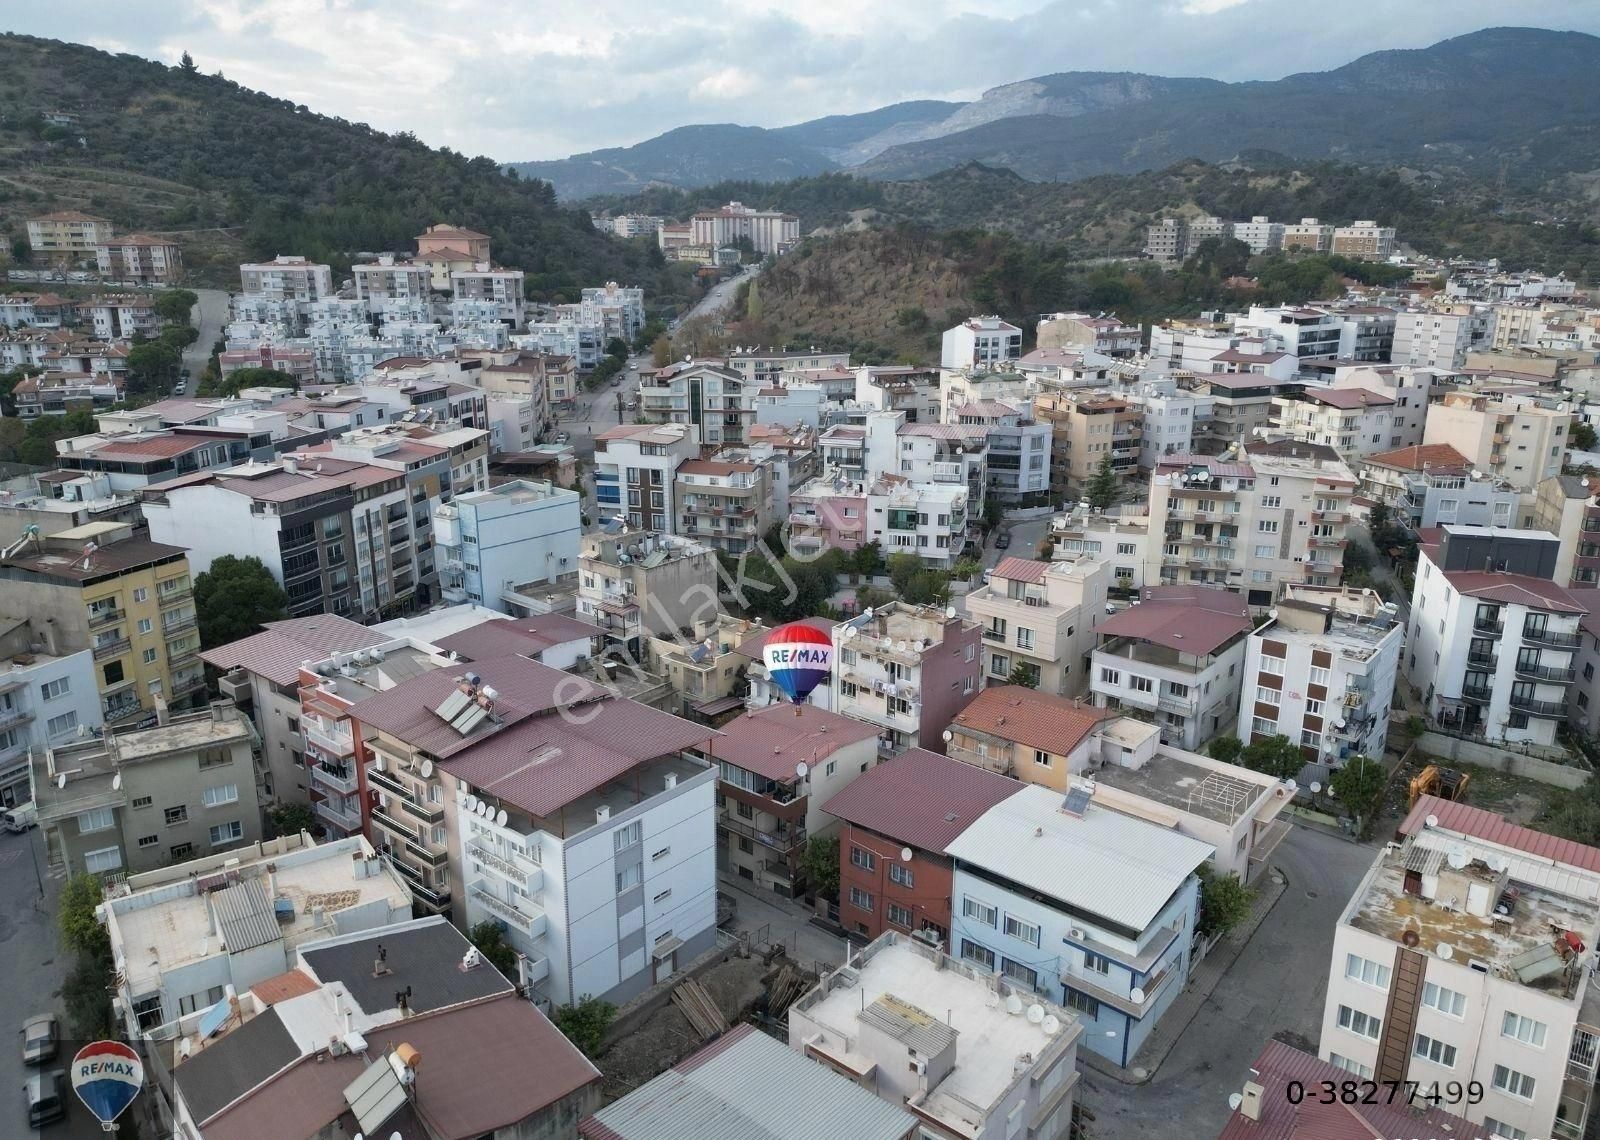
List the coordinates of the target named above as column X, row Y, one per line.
column 1273, row 614
column 1291, row 786
column 427, row 768
column 116, row 782
column 1446, row 951
column 472, row 803
column 905, row 854
column 1431, row 821
column 1315, row 787
column 1338, row 724
column 1458, row 858
column 1498, row 863
column 1051, row 1025
column 1036, row 1014
column 1235, row 1100
column 484, row 809
column 1136, row 995
column 948, row 736
column 61, row 780
column 950, row 611
column 1013, row 1005
column 461, row 797
column 501, row 816
column 801, row 769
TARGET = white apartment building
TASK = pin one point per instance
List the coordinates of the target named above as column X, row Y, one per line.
column 768, row 367
column 1042, row 616
column 1411, row 389
column 1493, row 640
column 1018, row 466
column 1434, row 339
column 1433, row 484
column 1304, row 332
column 46, row 697
column 393, row 285
column 949, row 454
column 1466, row 955
column 617, row 309
column 1122, row 541
column 1111, row 940
column 636, row 225
column 513, row 534
column 1355, row 422
column 634, row 584
column 718, row 401
column 842, row 509
column 1103, row 334
column 636, row 471
column 900, row 388
column 907, row 669
column 1172, row 417
column 501, row 288
column 1520, row 440
column 886, row 1003
column 1366, row 240
column 1322, row 673
column 286, row 278
column 980, row 342
column 1260, row 233
column 768, row 231
column 1249, row 521
column 724, row 502
column 1177, row 655
column 138, row 259
column 122, row 316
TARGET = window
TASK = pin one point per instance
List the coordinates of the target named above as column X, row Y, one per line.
column 60, row 687
column 662, row 854
column 1267, row 526
column 744, row 810
column 216, row 757
column 1432, row 1049
column 1099, row 963
column 141, row 801
column 141, row 594
column 220, row 795
column 1022, row 931
column 149, row 656
column 1024, row 638
column 1017, row 972
column 145, row 625
column 1083, row 1003
column 100, row 819
column 900, row 915
column 1523, row 1029
column 1447, row 1002
column 103, row 860
column 179, row 814
column 1272, row 666
column 999, row 664
column 664, row 895
column 860, row 899
column 1319, row 676
column 979, row 912
column 628, row 877
column 1496, row 1128
column 149, row 840
column 973, row 952
column 1266, row 551
column 1310, row 739
column 182, row 851
column 1110, row 677
column 1313, row 707
column 1512, row 1083
column 866, row 860
column 1140, row 684
column 627, row 836
column 900, row 873
column 1260, row 725
column 1361, row 1024
column 1268, row 696
column 1042, row 759
column 60, row 725
column 1349, row 1066
column 227, row 832
column 1366, row 971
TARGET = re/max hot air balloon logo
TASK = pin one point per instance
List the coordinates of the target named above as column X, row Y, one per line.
column 798, row 658
column 107, row 1075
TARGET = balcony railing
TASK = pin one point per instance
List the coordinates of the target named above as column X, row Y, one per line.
column 1552, row 637
column 424, row 812
column 330, row 744
column 119, row 713
column 419, row 888
column 11, row 718
column 1487, row 660
column 1493, row 626
column 112, row 648
column 1477, row 696
column 530, row 924
column 171, row 629
column 349, row 821
column 1555, row 674
column 786, row 840
column 390, row 822
column 524, row 877
column 1550, row 709
column 332, row 778
column 996, row 635
column 101, row 618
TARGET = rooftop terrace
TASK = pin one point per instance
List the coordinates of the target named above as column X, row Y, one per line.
column 1167, row 778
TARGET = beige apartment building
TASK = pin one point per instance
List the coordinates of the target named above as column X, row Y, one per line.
column 1365, row 239
column 67, row 235
column 140, row 259
column 1088, row 426
column 1041, row 616
column 1355, row 422
column 1252, row 520
column 1515, row 439
column 724, row 502
column 635, row 583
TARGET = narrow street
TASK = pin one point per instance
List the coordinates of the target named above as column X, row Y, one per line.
column 210, row 313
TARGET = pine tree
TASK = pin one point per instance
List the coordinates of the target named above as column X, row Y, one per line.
column 1103, row 487
column 187, row 64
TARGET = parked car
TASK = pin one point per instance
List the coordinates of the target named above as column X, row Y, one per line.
column 47, row 1096
column 1004, row 541
column 563, row 437
column 41, row 1039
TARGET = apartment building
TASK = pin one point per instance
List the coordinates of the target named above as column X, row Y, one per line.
column 1112, row 939
column 1413, row 390
column 724, row 502
column 513, row 534
column 192, row 912
column 705, row 665
column 1240, row 410
column 1018, row 465
column 1565, row 506
column 1039, row 619
column 447, row 239
column 1099, row 333
column 139, row 259
column 492, row 285
column 896, row 819
column 1166, row 240
column 1433, row 484
column 767, row 231
column 617, row 309
column 761, row 692
column 599, row 858
column 636, row 225
column 392, row 285
column 146, row 797
column 635, row 584
column 135, row 460
column 766, row 368
column 1260, row 233
column 1321, row 671
column 67, row 236
column 1355, row 422
column 286, row 278
column 901, row 388
column 1088, row 427
column 1272, row 513
column 1493, row 638
column 1038, row 738
column 906, row 669
column 1519, row 440
column 1308, row 234
column 636, row 469
column 980, row 342
column 1438, row 339
column 1171, row 418
column 1177, row 657
column 1365, row 240
column 1464, row 955
column 297, row 365
column 1304, row 332
column 1121, row 541
column 57, row 393
column 777, row 767
column 122, row 316
column 126, row 600
column 39, row 688
column 880, row 1007
column 715, row 400
column 841, row 509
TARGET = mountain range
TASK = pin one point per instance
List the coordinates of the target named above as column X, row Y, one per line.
column 1510, row 104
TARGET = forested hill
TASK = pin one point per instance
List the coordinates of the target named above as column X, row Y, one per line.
column 167, row 149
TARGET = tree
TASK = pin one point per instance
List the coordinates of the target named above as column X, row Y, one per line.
column 1102, row 491
column 175, row 305
column 927, row 588
column 752, row 301
column 617, row 347
column 291, row 818
column 1277, row 756
column 237, row 381
column 661, row 351
column 1582, row 436
column 1225, row 902
column 1025, row 674
column 993, row 512
column 903, row 570
column 81, row 931
column 235, row 598
column 490, row 939
column 1226, row 749
column 585, row 1023
column 867, row 559
column 21, row 251
column 86, row 994
column 821, row 863
column 152, row 365
column 1358, row 784
column 186, row 64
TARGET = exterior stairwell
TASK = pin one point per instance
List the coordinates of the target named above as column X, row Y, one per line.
column 1400, row 1015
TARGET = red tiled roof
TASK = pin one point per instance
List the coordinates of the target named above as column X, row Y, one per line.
column 1038, row 720
column 921, row 798
column 1515, row 589
column 1278, row 1065
column 755, row 643
column 1191, row 619
column 153, row 446
column 1464, row 819
column 1017, row 569
column 1412, row 458
column 773, row 740
column 293, row 984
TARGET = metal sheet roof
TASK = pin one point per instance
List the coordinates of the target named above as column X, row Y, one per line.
column 920, row 798
column 1121, row 868
column 1464, row 819
column 746, row 1086
column 245, row 917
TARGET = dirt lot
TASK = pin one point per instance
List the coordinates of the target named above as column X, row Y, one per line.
column 1519, row 799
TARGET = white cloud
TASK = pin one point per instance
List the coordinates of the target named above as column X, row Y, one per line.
column 544, row 80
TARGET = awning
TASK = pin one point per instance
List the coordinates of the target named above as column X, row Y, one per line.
column 666, row 948
column 718, row 706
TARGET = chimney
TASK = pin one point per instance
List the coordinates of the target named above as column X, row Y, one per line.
column 1250, row 1105
column 163, row 715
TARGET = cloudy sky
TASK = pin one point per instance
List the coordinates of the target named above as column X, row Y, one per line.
column 530, row 79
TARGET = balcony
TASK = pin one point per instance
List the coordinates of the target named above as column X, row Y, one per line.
column 1555, row 674
column 1184, row 706
column 1330, row 516
column 119, row 713
column 1326, row 541
column 182, row 687
column 1490, row 626
column 99, row 619
column 1552, row 637
column 182, row 657
column 114, row 648
column 431, row 854
column 347, row 821
column 529, row 878
column 11, row 718
column 328, row 743
column 532, row 925
column 436, row 899
column 345, row 783
column 426, row 813
column 171, row 629
column 1551, row 710
column 391, row 823
column 1487, row 660
column 998, row 636
column 1477, row 696
column 385, row 781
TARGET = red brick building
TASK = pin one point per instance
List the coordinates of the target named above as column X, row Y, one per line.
column 895, row 821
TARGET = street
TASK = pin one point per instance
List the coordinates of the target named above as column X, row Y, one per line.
column 210, row 313
column 783, row 920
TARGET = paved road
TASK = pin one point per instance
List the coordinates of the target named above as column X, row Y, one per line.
column 786, row 921
column 1278, row 985
column 720, row 295
column 209, row 315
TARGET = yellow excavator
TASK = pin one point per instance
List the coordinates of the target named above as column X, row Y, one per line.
column 1446, row 783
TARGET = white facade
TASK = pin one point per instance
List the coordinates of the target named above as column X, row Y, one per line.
column 392, row 286
column 768, row 231
column 42, row 705
column 501, row 288
column 286, row 278
column 1430, row 339
column 1259, row 233
column 636, row 470
column 1193, row 697
column 1171, row 415
column 1353, row 421
column 512, row 534
column 1018, row 463
column 980, row 342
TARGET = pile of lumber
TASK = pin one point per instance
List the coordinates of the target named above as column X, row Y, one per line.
column 785, row 989
column 699, row 1009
